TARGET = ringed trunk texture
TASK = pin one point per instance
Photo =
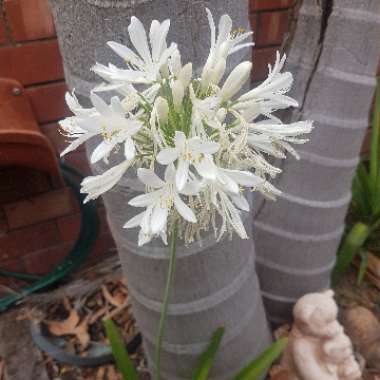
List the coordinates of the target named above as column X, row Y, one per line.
column 333, row 57
column 215, row 284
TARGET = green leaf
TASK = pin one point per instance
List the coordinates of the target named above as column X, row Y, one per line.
column 361, row 193
column 257, row 367
column 362, row 267
column 207, row 358
column 374, row 153
column 122, row 359
column 351, row 245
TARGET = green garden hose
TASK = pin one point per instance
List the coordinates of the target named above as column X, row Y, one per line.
column 75, row 258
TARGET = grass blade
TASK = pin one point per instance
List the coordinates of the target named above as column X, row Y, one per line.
column 374, row 153
column 122, row 359
column 207, row 358
column 257, row 367
column 351, row 245
column 362, row 268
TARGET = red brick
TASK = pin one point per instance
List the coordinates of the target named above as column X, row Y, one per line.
column 18, row 183
column 21, row 242
column 272, row 28
column 29, row 19
column 40, row 208
column 3, row 35
column 3, row 223
column 11, row 282
column 261, row 57
column 32, row 63
column 258, row 5
column 69, row 226
column 48, row 102
column 44, row 261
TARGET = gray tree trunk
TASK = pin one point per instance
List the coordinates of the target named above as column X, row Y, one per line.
column 215, row 284
column 333, row 57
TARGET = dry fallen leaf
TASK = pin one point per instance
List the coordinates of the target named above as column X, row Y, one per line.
column 81, row 332
column 100, row 373
column 65, row 327
column 116, row 300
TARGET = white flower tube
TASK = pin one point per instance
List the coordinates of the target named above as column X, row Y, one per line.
column 178, row 93
column 236, row 80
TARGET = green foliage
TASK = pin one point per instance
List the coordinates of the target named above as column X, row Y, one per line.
column 122, row 359
column 251, row 372
column 208, row 357
column 258, row 366
column 363, row 229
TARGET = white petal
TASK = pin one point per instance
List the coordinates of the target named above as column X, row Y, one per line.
column 124, row 52
column 244, row 178
column 158, row 219
column 167, row 156
column 135, row 221
column 200, row 146
column 117, row 107
column 100, row 105
column 178, row 92
column 145, row 200
column 102, row 151
column 159, row 43
column 144, row 238
column 183, row 209
column 182, row 174
column 206, row 168
column 129, row 149
column 139, row 39
column 179, row 139
column 224, row 29
column 212, row 27
column 76, row 143
column 149, row 178
column 240, row 202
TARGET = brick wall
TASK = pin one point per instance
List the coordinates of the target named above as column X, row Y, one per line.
column 38, row 224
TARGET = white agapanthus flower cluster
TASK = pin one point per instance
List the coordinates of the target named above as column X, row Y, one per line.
column 212, row 141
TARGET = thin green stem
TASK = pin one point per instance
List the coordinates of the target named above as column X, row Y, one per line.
column 374, row 152
column 164, row 308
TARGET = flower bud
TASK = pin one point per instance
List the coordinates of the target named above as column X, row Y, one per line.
column 206, row 75
column 218, row 71
column 221, row 114
column 176, row 64
column 185, row 74
column 236, row 80
column 162, row 109
column 178, row 92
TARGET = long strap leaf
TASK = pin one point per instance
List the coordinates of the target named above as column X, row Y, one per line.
column 122, row 359
column 208, row 357
column 374, row 153
column 257, row 367
column 352, row 243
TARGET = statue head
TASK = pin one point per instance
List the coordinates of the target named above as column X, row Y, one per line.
column 316, row 314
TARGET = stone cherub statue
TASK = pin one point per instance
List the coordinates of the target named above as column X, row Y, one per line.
column 318, row 348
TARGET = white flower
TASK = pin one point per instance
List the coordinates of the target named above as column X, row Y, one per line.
column 158, row 203
column 178, row 92
column 268, row 96
column 94, row 186
column 222, row 46
column 193, row 151
column 113, row 125
column 227, row 198
column 275, row 138
column 145, row 65
column 236, row 80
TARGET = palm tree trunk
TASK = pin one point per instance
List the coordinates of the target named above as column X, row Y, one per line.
column 333, row 57
column 215, row 284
